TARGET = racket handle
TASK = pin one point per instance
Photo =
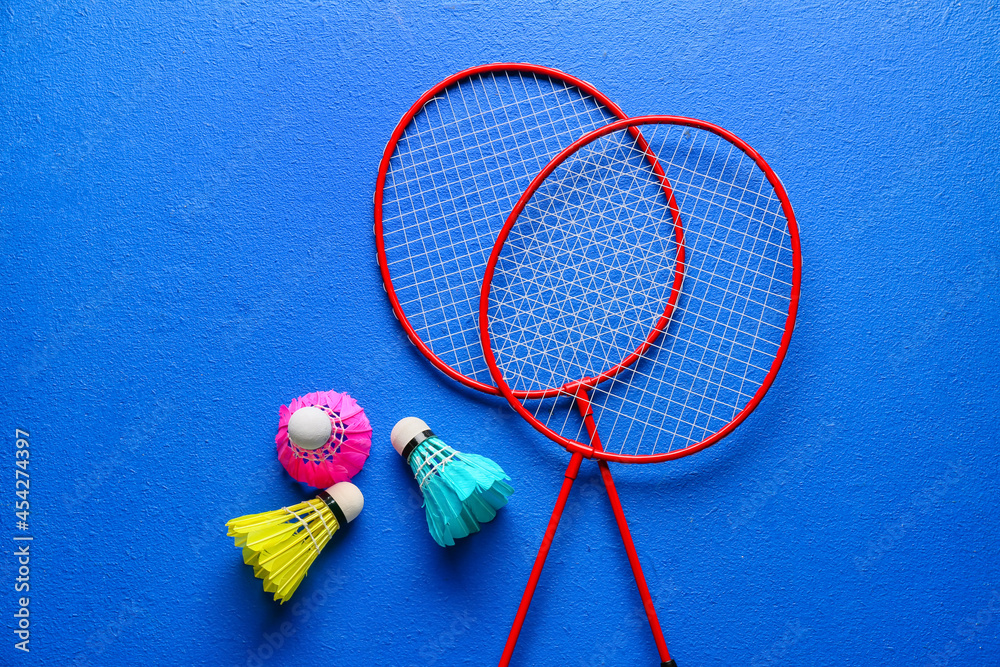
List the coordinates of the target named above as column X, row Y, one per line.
column 633, row 560
column 543, row 551
column 587, row 412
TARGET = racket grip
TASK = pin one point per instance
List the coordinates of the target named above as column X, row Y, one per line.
column 543, row 551
column 587, row 411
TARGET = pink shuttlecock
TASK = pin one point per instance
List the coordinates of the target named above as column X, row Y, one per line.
column 323, row 438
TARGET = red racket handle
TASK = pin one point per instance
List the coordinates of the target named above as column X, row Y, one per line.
column 583, row 403
column 543, row 551
column 633, row 560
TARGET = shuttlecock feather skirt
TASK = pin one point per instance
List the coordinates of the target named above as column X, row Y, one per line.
column 344, row 453
column 461, row 491
column 281, row 545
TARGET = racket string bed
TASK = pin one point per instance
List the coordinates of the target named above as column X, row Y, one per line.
column 727, row 325
column 451, row 177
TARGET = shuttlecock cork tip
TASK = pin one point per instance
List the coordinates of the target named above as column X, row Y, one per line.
column 405, row 430
column 309, row 427
column 349, row 498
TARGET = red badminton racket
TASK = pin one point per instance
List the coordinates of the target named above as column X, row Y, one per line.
column 452, row 170
column 640, row 297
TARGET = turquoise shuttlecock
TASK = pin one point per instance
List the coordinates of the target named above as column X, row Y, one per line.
column 461, row 491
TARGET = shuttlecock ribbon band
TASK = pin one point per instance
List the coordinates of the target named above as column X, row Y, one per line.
column 414, row 442
column 338, row 513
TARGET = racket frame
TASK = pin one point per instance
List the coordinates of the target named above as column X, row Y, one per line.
column 573, row 388
column 383, row 169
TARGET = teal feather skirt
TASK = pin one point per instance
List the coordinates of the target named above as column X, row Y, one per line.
column 461, row 491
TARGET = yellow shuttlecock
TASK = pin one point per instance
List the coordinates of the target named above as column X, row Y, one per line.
column 281, row 545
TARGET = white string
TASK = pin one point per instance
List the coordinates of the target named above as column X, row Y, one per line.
column 305, row 525
column 320, row 512
column 588, row 269
column 432, row 452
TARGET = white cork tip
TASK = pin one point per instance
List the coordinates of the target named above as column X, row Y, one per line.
column 309, row 427
column 405, row 430
column 349, row 499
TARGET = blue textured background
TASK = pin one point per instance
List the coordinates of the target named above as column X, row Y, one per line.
column 185, row 222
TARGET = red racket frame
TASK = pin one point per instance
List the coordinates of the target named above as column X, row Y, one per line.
column 573, row 388
column 578, row 389
column 470, row 382
column 383, row 169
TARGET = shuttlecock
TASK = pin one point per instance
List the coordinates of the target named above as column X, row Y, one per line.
column 461, row 491
column 323, row 438
column 281, row 545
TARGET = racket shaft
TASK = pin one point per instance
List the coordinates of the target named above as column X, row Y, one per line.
column 583, row 403
column 633, row 559
column 543, row 551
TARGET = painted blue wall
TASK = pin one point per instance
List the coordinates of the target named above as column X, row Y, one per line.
column 185, row 224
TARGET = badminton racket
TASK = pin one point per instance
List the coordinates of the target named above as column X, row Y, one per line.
column 454, row 167
column 452, row 170
column 640, row 297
